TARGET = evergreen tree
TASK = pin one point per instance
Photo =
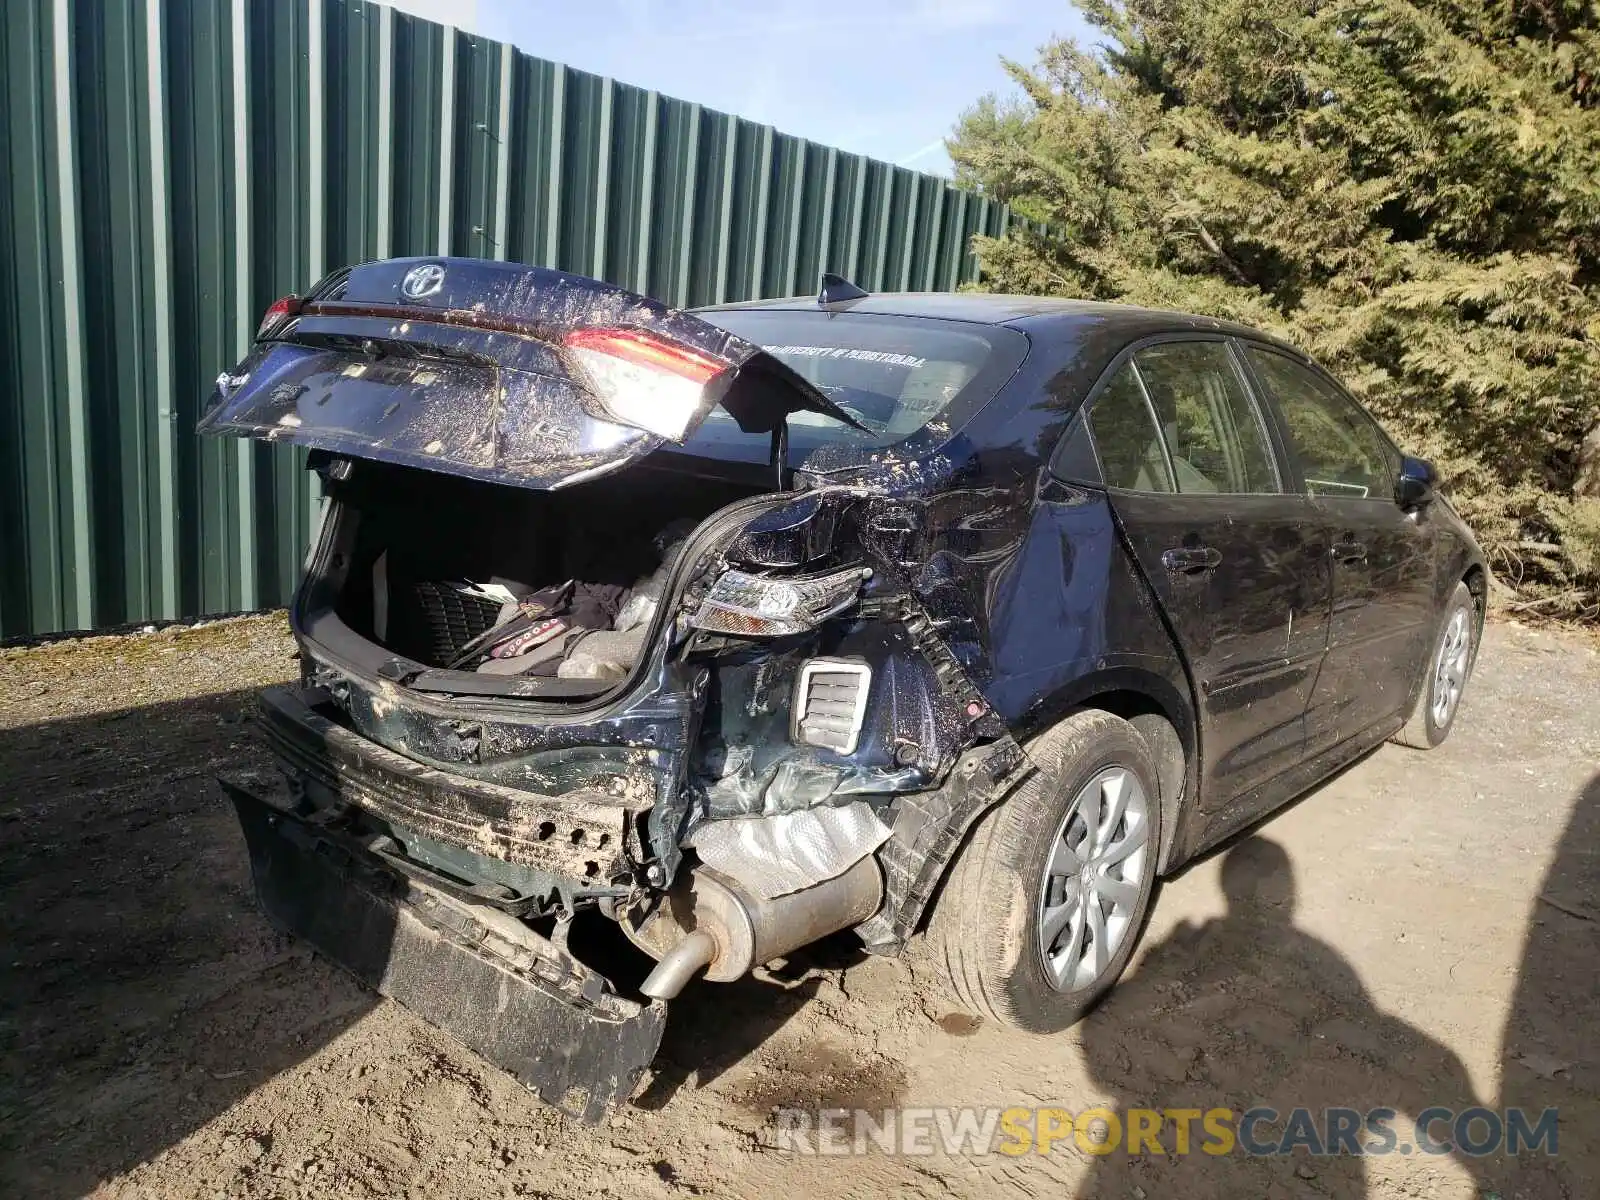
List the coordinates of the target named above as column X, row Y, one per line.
column 1408, row 191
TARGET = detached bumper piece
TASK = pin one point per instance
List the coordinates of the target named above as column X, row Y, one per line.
column 510, row 995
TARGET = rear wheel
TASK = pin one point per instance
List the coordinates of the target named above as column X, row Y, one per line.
column 1448, row 667
column 1047, row 900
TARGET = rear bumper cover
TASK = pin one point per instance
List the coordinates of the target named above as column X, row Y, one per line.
column 508, row 994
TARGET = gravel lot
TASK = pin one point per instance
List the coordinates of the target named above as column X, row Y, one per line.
column 1421, row 930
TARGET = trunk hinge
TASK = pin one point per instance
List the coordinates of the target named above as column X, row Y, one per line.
column 780, row 449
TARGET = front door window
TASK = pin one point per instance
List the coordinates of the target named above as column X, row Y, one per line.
column 1340, row 450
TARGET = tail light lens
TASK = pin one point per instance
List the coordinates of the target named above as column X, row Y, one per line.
column 644, row 380
column 279, row 311
column 759, row 606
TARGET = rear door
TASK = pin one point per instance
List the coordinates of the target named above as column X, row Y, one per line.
column 1381, row 557
column 1239, row 564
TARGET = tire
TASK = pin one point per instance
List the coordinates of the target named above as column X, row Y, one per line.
column 986, row 927
column 1455, row 642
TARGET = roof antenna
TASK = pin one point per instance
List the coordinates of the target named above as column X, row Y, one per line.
column 836, row 289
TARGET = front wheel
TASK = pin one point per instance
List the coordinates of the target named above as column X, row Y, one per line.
column 1448, row 667
column 1047, row 900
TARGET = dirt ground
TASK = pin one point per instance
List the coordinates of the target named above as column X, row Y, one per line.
column 1421, row 930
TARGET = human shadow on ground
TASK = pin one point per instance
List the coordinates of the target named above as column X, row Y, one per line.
column 1550, row 1049
column 1249, row 1011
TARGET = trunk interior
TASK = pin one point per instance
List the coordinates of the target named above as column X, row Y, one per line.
column 455, row 574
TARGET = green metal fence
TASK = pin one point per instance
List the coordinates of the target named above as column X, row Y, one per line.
column 174, row 165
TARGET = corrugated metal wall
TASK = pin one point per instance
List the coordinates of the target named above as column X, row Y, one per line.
column 174, row 165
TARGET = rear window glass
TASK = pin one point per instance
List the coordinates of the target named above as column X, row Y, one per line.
column 898, row 376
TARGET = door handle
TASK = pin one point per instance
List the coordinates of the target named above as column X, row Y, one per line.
column 1190, row 560
column 1348, row 552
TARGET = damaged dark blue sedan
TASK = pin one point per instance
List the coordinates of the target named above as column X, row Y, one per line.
column 965, row 617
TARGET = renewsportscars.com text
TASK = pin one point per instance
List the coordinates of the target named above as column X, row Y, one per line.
column 1215, row 1131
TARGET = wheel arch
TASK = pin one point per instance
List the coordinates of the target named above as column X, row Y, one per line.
column 932, row 828
column 1174, row 755
column 1165, row 717
column 1476, row 577
column 1469, row 568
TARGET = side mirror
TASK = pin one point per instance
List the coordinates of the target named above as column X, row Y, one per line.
column 1417, row 482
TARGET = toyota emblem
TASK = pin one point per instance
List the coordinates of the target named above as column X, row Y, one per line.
column 423, row 281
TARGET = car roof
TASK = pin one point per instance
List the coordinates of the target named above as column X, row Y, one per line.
column 1022, row 312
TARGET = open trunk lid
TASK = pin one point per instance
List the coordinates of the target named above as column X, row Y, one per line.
column 496, row 371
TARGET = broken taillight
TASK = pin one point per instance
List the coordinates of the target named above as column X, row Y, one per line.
column 766, row 606
column 279, row 311
column 644, row 380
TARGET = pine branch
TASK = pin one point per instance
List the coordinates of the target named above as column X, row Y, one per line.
column 1221, row 255
column 1411, row 197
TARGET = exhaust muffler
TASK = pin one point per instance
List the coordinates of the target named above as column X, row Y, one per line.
column 708, row 920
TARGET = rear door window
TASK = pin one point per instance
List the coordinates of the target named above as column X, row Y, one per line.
column 1214, row 434
column 1126, row 437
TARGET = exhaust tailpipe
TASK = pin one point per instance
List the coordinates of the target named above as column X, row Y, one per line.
column 709, row 920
